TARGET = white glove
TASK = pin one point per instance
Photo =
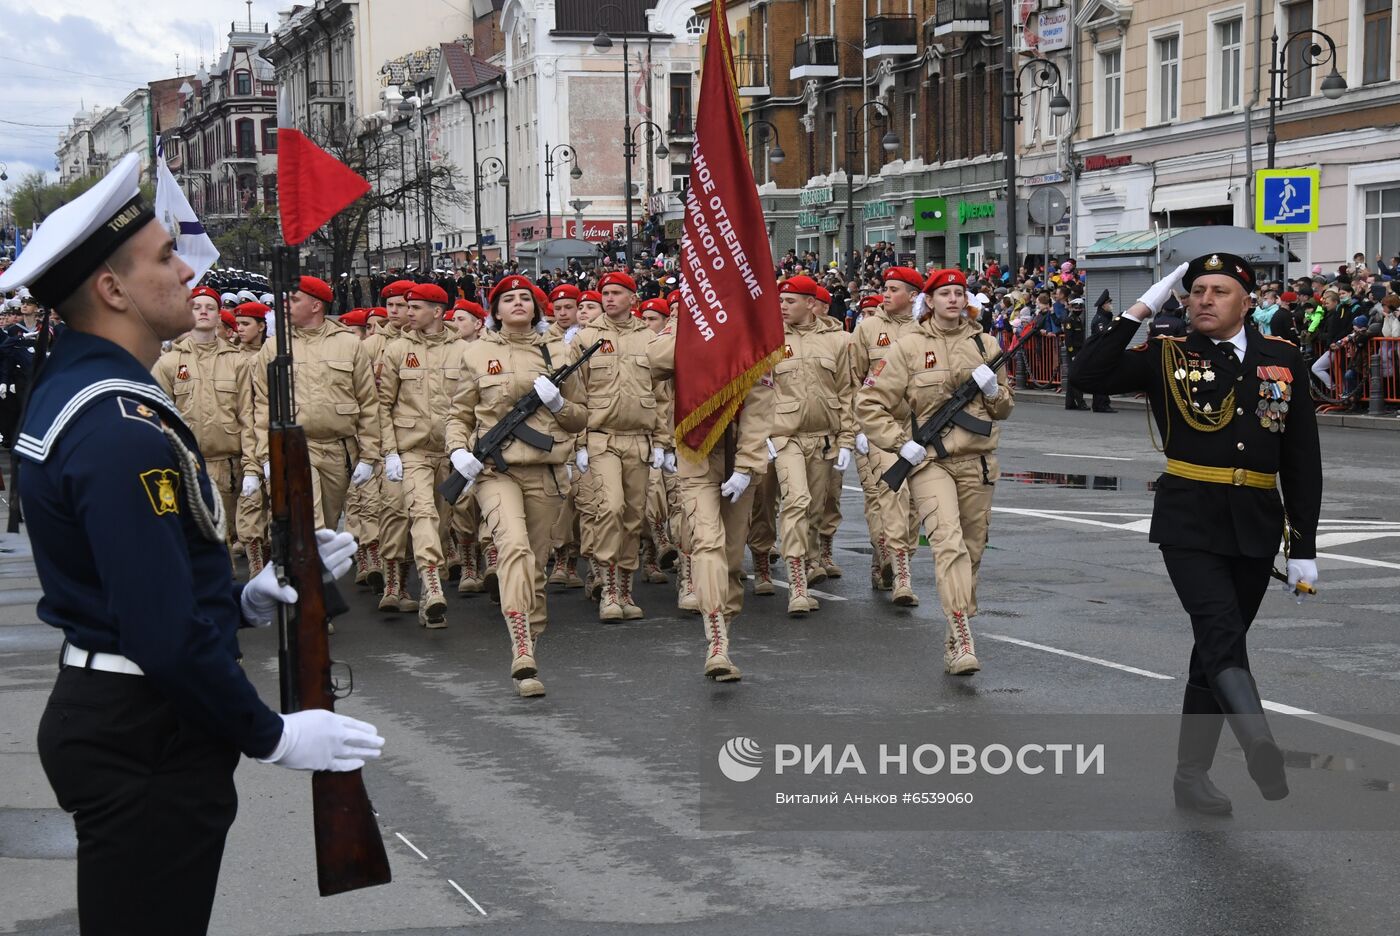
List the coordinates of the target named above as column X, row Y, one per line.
column 549, row 394
column 251, row 485
column 913, row 452
column 986, row 381
column 581, row 459
column 261, row 596
column 569, row 471
column 466, row 464
column 658, row 456
column 862, row 443
column 363, row 472
column 843, row 459
column 669, row 464
column 316, row 739
column 772, row 452
column 337, row 551
column 1157, row 295
column 393, row 467
column 1301, row 570
column 735, row 487
column 267, row 470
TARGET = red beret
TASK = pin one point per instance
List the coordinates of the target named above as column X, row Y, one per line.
column 870, row 302
column 905, row 275
column 674, row 297
column 379, row 311
column 227, row 318
column 565, row 291
column 1289, row 297
column 800, row 285
column 591, row 295
column 617, row 279
column 471, row 308
column 427, row 292
column 206, row 291
column 508, row 283
column 316, row 288
column 823, row 294
column 656, row 305
column 940, row 278
column 252, row 310
column 396, row 288
column 357, row 317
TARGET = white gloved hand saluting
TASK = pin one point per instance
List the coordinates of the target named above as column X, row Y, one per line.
column 581, row 459
column 363, row 472
column 393, row 467
column 316, row 739
column 986, row 381
column 1301, row 571
column 913, row 452
column 1160, row 291
column 862, row 444
column 735, row 487
column 549, row 394
column 658, row 456
column 843, row 459
column 251, row 485
column 466, row 464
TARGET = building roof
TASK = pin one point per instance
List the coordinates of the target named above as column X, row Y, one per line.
column 468, row 71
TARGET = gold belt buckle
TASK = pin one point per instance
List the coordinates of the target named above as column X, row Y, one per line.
column 1237, row 477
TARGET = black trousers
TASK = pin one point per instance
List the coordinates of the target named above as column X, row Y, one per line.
column 1222, row 595
column 152, row 799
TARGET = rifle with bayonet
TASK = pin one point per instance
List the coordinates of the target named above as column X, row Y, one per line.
column 349, row 848
column 953, row 412
column 513, row 426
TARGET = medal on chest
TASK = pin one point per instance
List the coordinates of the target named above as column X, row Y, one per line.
column 607, row 347
column 1192, row 383
column 883, row 341
column 1275, row 396
column 411, row 360
column 493, row 366
column 930, row 359
column 183, row 373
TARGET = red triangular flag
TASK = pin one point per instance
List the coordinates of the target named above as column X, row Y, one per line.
column 312, row 185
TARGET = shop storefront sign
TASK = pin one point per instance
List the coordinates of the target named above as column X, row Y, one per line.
column 878, row 209
column 815, row 196
column 1095, row 163
column 970, row 211
column 930, row 214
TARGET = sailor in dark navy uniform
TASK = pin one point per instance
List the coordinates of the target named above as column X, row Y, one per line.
column 1238, row 428
column 151, row 708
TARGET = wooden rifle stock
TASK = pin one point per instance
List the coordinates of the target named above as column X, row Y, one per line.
column 349, row 848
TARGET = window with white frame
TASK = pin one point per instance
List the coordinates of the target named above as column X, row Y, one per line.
column 1166, row 72
column 1378, row 31
column 1382, row 220
column 1110, row 90
column 1227, row 37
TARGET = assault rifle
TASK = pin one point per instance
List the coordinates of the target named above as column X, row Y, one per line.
column 513, row 426
column 953, row 412
column 349, row 849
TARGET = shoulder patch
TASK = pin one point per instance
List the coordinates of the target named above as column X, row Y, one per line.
column 135, row 409
column 162, row 487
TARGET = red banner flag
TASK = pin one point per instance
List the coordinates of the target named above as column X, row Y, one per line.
column 312, row 185
column 730, row 329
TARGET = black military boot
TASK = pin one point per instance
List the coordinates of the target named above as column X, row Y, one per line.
column 1239, row 699
column 1201, row 721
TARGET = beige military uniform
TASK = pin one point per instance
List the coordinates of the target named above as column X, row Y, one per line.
column 252, row 516
column 716, row 530
column 210, row 385
column 518, row 506
column 335, row 405
column 953, row 496
column 364, row 505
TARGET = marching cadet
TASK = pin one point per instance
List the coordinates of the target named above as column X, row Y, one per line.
column 822, row 564
column 151, row 709
column 715, row 495
column 422, row 371
column 363, row 504
column 813, row 430
column 564, row 299
column 952, row 495
column 590, row 306
column 889, row 515
column 393, row 507
column 518, row 506
column 335, row 401
column 467, row 318
column 1223, row 400
column 208, row 380
column 622, row 421
column 251, row 513
column 763, row 532
column 659, row 550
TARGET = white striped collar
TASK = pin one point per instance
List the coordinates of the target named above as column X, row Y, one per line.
column 38, row 450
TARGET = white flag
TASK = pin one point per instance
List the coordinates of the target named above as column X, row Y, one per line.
column 192, row 242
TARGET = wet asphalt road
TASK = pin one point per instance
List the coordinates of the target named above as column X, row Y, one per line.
column 579, row 813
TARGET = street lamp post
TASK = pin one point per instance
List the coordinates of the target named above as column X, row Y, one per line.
column 889, row 143
column 1333, row 86
column 479, row 172
column 1045, row 75
column 762, row 129
column 603, row 42
column 566, row 152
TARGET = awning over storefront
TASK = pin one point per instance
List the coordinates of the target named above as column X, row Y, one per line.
column 1185, row 196
column 1167, row 247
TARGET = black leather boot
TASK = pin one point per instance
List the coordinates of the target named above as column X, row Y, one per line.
column 1239, row 700
column 1201, row 721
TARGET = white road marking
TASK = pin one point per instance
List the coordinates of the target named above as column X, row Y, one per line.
column 810, row 590
column 1095, row 457
column 1136, row 526
column 1079, row 656
column 468, row 896
column 412, row 846
column 847, row 487
column 1378, row 563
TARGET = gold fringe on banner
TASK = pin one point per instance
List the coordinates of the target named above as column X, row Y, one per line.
column 730, row 398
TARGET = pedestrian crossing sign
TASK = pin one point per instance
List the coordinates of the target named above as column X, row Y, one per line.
column 1285, row 200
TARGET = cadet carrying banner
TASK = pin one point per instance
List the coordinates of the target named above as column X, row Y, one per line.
column 730, row 329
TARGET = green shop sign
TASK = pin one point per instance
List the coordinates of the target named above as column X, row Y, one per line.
column 815, row 196
column 812, row 219
column 967, row 211
column 878, row 209
column 930, row 214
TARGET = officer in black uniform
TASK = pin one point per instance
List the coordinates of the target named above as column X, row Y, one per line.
column 151, row 708
column 1237, row 424
column 1101, row 323
column 1074, row 340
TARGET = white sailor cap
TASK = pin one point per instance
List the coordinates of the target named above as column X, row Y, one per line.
column 247, row 295
column 229, row 298
column 267, row 299
column 77, row 238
